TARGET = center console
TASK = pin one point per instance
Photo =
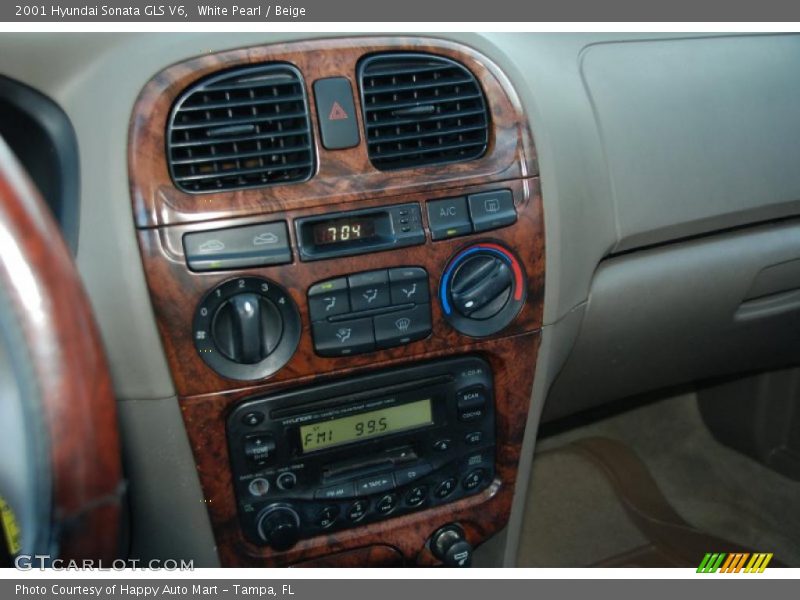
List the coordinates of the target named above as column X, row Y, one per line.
column 344, row 247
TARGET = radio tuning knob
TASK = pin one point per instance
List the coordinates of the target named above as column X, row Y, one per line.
column 279, row 526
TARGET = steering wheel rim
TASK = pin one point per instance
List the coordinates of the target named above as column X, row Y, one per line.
column 64, row 483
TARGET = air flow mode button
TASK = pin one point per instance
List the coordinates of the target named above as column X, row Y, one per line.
column 344, row 337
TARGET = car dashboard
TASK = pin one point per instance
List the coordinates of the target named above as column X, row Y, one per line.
column 341, row 279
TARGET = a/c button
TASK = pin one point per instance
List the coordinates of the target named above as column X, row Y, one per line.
column 448, row 218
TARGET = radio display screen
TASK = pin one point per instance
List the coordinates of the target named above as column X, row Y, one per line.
column 344, row 230
column 367, row 425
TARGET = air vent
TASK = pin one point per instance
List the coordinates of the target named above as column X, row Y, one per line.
column 244, row 128
column 421, row 110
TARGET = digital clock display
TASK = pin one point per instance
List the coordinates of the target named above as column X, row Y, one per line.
column 342, row 231
column 368, row 425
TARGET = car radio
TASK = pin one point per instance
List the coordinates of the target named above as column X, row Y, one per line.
column 366, row 448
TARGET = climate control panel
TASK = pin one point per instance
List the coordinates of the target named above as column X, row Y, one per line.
column 366, row 311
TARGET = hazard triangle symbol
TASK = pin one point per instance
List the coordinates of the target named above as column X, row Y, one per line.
column 337, row 113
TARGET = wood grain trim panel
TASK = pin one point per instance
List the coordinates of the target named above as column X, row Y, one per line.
column 342, row 175
column 345, row 180
column 63, row 342
column 370, row 556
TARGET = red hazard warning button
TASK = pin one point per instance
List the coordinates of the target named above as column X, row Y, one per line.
column 336, row 112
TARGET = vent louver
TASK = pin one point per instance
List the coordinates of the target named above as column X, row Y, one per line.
column 420, row 110
column 244, row 128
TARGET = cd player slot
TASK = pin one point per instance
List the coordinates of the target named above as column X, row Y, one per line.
column 346, row 398
column 359, row 467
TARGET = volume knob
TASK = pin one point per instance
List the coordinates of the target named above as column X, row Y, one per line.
column 279, row 526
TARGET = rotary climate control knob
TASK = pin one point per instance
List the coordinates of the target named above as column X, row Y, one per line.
column 279, row 526
column 246, row 328
column 482, row 289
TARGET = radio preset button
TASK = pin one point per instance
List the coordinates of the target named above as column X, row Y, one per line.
column 403, row 326
column 476, row 460
column 369, row 290
column 259, row 448
column 471, row 404
column 253, row 418
column 334, row 492
column 416, row 495
column 442, row 445
column 409, row 284
column 286, row 481
column 344, row 337
column 412, row 473
column 473, row 479
column 258, row 487
column 327, row 516
column 386, row 504
column 445, row 488
column 374, row 484
column 328, row 298
column 473, row 438
column 357, row 510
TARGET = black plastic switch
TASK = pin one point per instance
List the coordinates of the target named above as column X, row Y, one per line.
column 237, row 247
column 448, row 218
column 490, row 210
column 409, row 284
column 403, row 326
column 369, row 290
column 344, row 337
column 375, row 484
column 471, row 404
column 412, row 473
column 328, row 298
column 336, row 112
column 259, row 448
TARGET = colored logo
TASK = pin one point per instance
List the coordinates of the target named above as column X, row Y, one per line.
column 10, row 527
column 744, row 562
